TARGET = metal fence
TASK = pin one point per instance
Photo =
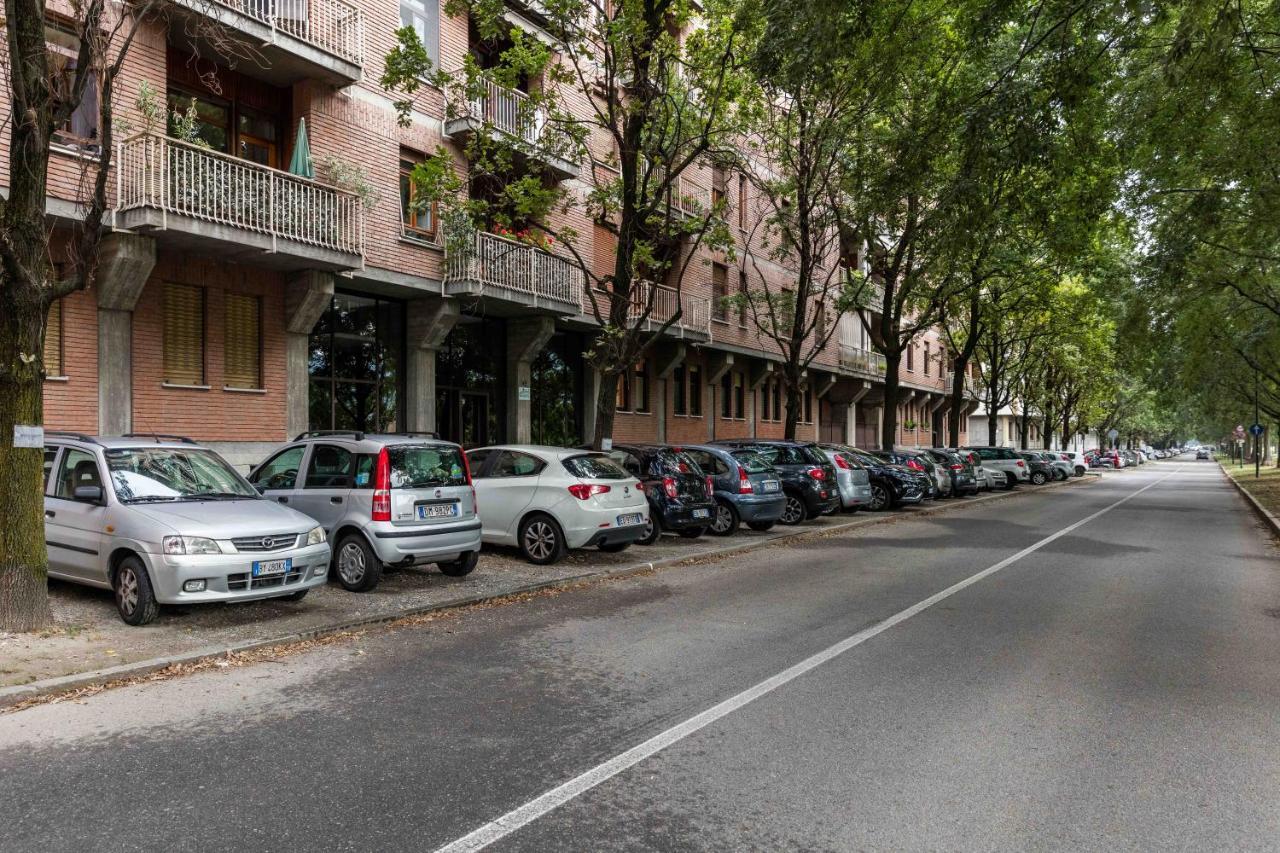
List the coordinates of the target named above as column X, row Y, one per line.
column 494, row 261
column 331, row 25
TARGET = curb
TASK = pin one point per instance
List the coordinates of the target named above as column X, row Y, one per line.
column 65, row 683
column 1262, row 512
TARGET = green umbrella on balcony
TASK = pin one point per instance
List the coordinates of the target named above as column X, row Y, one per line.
column 300, row 164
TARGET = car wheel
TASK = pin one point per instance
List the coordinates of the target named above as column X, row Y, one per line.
column 540, row 540
column 1079, row 471
column 880, row 499
column 297, row 595
column 1038, row 478
column 692, row 532
column 726, row 521
column 464, row 565
column 652, row 530
column 1009, row 482
column 357, row 567
column 135, row 599
column 761, row 526
column 615, row 547
column 794, row 512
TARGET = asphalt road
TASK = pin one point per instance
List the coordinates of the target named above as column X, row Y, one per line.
column 1110, row 687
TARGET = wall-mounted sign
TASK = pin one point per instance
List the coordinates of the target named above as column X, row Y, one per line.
column 28, row 436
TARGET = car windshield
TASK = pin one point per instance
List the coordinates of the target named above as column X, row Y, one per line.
column 173, row 474
column 752, row 463
column 424, row 466
column 595, row 468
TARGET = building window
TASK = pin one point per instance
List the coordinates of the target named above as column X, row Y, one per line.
column 63, row 46
column 719, row 186
column 242, row 341
column 807, row 413
column 184, row 334
column 739, row 396
column 53, row 342
column 719, row 290
column 423, row 16
column 622, row 402
column 926, row 358
column 911, row 357
column 777, row 399
column 742, row 293
column 726, row 396
column 678, row 396
column 640, row 384
column 417, row 216
column 695, row 392
column 820, row 317
column 764, row 402
column 742, row 202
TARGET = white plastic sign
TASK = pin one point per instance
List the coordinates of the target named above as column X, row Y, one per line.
column 28, row 436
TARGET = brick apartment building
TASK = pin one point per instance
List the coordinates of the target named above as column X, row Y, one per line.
column 240, row 304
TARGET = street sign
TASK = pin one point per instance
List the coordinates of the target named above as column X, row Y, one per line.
column 1113, row 434
column 1239, row 431
column 1256, row 430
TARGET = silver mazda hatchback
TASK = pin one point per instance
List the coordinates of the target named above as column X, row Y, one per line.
column 161, row 520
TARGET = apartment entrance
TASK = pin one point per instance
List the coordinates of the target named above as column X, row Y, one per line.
column 470, row 380
column 463, row 417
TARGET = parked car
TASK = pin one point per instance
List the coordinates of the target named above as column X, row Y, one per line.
column 747, row 489
column 987, row 478
column 681, row 496
column 891, row 485
column 1041, row 470
column 1004, row 461
column 964, row 480
column 1062, row 468
column 161, row 520
column 549, row 500
column 921, row 464
column 852, row 479
column 1202, row 453
column 1079, row 465
column 385, row 500
column 808, row 477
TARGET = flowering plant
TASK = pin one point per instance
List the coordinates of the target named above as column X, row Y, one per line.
column 538, row 239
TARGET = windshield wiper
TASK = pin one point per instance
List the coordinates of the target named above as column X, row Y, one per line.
column 217, row 496
column 149, row 499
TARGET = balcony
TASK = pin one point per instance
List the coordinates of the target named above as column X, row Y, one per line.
column 950, row 383
column 486, row 107
column 689, row 197
column 206, row 200
column 694, row 322
column 861, row 360
column 296, row 39
column 496, row 267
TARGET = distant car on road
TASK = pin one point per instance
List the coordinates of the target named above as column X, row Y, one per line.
column 1202, row 453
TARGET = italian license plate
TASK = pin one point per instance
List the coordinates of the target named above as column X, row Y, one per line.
column 266, row 568
column 438, row 511
column 630, row 518
column 770, row 485
column 702, row 513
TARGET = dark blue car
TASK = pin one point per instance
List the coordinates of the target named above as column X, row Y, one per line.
column 748, row 490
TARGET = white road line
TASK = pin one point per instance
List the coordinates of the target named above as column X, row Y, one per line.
column 513, row 820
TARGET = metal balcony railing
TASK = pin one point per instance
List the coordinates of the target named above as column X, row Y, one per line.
column 695, row 316
column 865, row 360
column 182, row 179
column 331, row 25
column 498, row 262
column 690, row 197
column 509, row 111
column 950, row 383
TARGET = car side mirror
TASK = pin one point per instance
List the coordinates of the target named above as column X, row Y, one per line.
column 260, row 488
column 88, row 494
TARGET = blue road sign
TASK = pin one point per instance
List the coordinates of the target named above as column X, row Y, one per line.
column 1256, row 430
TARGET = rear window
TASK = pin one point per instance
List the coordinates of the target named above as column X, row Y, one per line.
column 595, row 468
column 673, row 462
column 752, row 463
column 853, row 462
column 421, row 467
column 783, row 454
column 814, row 454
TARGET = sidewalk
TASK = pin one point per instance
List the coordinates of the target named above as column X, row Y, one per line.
column 1264, row 491
column 89, row 644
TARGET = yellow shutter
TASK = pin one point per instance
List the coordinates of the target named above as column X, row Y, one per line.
column 242, row 345
column 53, row 341
column 183, row 334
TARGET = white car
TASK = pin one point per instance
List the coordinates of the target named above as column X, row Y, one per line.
column 547, row 500
column 1076, row 458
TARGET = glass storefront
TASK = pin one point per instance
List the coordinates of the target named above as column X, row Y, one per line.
column 557, row 391
column 470, row 377
column 356, row 365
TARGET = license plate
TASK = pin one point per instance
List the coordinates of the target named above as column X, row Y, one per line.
column 438, row 511
column 771, row 485
column 265, row 568
column 629, row 519
column 702, row 513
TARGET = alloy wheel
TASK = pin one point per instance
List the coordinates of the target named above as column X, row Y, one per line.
column 127, row 590
column 351, row 566
column 879, row 498
column 793, row 513
column 539, row 540
column 723, row 519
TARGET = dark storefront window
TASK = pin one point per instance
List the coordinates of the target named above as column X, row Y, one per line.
column 357, row 350
column 470, row 376
column 557, row 390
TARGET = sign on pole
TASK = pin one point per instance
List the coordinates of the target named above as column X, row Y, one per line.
column 1257, row 430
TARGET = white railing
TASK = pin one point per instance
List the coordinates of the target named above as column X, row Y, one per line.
column 950, row 383
column 695, row 315
column 509, row 111
column 182, row 179
column 493, row 261
column 690, row 197
column 331, row 25
column 856, row 358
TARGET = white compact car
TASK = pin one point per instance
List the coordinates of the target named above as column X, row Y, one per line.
column 546, row 500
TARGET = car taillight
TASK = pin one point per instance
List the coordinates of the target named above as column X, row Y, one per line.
column 669, row 486
column 639, row 486
column 711, row 487
column 1021, row 464
column 582, row 491
column 956, row 466
column 381, row 509
column 466, row 466
column 1066, row 457
column 817, row 474
column 744, row 484
column 914, row 465
column 841, row 462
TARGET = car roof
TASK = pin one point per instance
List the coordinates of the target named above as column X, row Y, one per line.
column 122, row 442
column 545, row 450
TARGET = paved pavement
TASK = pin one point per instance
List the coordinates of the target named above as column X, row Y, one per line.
column 1109, row 687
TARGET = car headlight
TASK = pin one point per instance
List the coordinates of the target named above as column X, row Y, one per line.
column 315, row 536
column 190, row 545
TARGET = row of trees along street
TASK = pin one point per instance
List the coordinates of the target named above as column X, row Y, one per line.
column 1081, row 196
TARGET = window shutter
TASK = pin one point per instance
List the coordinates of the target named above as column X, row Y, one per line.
column 242, row 346
column 183, row 334
column 53, row 341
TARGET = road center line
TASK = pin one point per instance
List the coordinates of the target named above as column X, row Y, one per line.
column 513, row 820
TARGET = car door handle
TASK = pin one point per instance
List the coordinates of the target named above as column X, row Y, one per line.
column 335, row 500
column 283, row 500
column 48, row 513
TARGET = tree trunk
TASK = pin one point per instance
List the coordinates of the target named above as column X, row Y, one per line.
column 889, row 427
column 793, row 404
column 1024, row 428
column 606, row 404
column 957, row 399
column 993, row 427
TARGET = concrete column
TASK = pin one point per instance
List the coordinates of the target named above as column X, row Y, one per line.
column 525, row 339
column 427, row 324
column 590, row 388
column 307, row 296
column 861, row 391
column 124, row 265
